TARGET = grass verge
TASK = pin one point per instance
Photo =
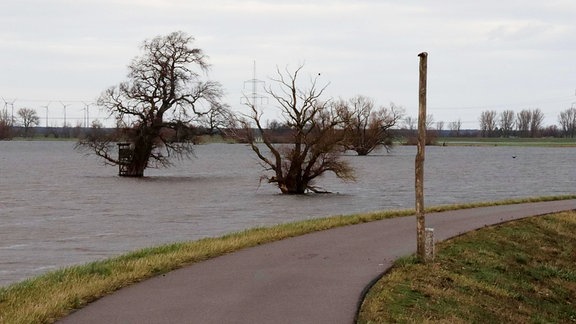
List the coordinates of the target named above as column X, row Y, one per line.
column 519, row 272
column 46, row 298
column 495, row 141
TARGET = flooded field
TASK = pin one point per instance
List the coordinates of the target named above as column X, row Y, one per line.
column 59, row 207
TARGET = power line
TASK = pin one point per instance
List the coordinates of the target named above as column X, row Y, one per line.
column 508, row 105
column 254, row 96
column 50, row 100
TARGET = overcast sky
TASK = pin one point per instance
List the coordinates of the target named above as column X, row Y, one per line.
column 482, row 54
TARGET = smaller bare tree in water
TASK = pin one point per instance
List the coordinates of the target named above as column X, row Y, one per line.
column 315, row 136
column 156, row 107
column 368, row 127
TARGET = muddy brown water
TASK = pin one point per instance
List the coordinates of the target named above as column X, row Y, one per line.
column 59, row 207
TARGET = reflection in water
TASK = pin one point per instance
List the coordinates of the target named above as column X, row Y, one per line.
column 59, row 207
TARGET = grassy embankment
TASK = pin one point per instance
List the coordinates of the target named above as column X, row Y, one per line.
column 203, row 139
column 43, row 139
column 520, row 272
column 449, row 141
column 480, row 141
column 53, row 295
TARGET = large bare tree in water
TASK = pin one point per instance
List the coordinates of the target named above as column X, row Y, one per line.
column 316, row 136
column 164, row 93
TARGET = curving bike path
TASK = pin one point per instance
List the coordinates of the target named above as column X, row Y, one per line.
column 315, row 278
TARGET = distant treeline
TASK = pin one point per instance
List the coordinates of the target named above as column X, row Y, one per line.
column 279, row 134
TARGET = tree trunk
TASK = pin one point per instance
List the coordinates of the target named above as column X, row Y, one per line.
column 361, row 151
column 292, row 189
column 139, row 159
column 134, row 169
column 292, row 184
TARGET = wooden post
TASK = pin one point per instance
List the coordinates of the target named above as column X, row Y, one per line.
column 420, row 218
column 430, row 248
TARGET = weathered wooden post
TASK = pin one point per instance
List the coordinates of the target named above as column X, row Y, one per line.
column 420, row 217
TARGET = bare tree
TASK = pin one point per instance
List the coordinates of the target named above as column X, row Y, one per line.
column 411, row 133
column 440, row 127
column 216, row 119
column 316, row 136
column 455, row 127
column 507, row 122
column 410, row 123
column 429, row 121
column 523, row 121
column 536, row 123
column 431, row 133
column 29, row 119
column 275, row 125
column 567, row 120
column 367, row 127
column 5, row 125
column 488, row 123
column 551, row 131
column 164, row 93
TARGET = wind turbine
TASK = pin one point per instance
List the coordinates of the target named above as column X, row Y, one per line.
column 12, row 104
column 5, row 104
column 6, row 108
column 63, row 105
column 87, row 115
column 48, row 104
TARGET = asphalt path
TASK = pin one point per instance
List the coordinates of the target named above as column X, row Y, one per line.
column 314, row 278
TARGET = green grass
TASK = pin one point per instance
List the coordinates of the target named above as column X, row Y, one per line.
column 519, row 272
column 42, row 138
column 202, row 139
column 211, row 139
column 51, row 296
column 479, row 141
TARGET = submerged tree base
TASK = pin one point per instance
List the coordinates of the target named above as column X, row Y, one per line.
column 130, row 175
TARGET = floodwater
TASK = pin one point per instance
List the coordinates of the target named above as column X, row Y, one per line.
column 59, row 207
